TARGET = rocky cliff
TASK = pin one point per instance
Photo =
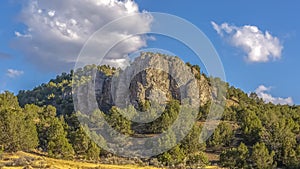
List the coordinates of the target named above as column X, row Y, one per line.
column 152, row 77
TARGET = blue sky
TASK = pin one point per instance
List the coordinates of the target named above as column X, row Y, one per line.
column 38, row 39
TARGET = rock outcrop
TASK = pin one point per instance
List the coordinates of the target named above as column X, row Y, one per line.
column 152, row 77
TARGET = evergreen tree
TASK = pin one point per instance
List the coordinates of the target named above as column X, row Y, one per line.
column 46, row 115
column 18, row 131
column 80, row 141
column 174, row 156
column 58, row 145
column 167, row 117
column 261, row 157
column 29, row 135
column 9, row 121
column 190, row 144
column 222, row 136
column 93, row 151
column 235, row 157
column 198, row 160
column 118, row 122
column 251, row 126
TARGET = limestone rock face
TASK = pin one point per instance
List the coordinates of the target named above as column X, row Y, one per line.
column 205, row 90
column 153, row 84
column 103, row 91
column 152, row 77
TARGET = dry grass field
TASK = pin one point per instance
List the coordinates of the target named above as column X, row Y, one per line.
column 22, row 160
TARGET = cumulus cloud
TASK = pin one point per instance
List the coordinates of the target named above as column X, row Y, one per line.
column 259, row 46
column 57, row 30
column 263, row 92
column 12, row 73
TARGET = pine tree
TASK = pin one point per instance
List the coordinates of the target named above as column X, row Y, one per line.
column 9, row 120
column 80, row 142
column 251, row 126
column 261, row 158
column 93, row 151
column 30, row 135
column 118, row 122
column 18, row 131
column 235, row 157
column 46, row 115
column 222, row 135
column 58, row 144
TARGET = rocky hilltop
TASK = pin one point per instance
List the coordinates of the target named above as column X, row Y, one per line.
column 151, row 77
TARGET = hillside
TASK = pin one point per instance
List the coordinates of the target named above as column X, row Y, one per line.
column 251, row 134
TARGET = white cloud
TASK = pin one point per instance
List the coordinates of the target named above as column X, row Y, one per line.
column 18, row 34
column 51, row 13
column 259, row 46
column 262, row 92
column 59, row 29
column 12, row 73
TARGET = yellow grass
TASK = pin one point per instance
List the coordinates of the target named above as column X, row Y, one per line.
column 211, row 167
column 45, row 162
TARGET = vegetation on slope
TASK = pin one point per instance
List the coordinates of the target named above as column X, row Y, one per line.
column 252, row 134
